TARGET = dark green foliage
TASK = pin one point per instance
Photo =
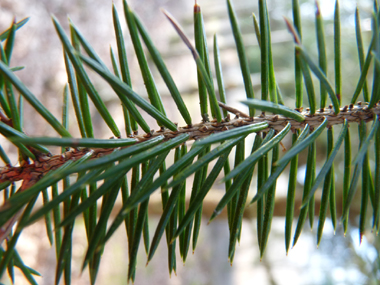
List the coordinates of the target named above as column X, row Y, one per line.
column 103, row 168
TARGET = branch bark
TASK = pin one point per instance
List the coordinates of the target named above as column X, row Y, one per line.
column 45, row 164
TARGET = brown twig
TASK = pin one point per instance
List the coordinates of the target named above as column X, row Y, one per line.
column 31, row 173
column 45, row 164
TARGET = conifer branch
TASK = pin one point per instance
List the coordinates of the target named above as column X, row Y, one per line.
column 44, row 164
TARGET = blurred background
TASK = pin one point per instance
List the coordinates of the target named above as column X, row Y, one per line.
column 338, row 260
